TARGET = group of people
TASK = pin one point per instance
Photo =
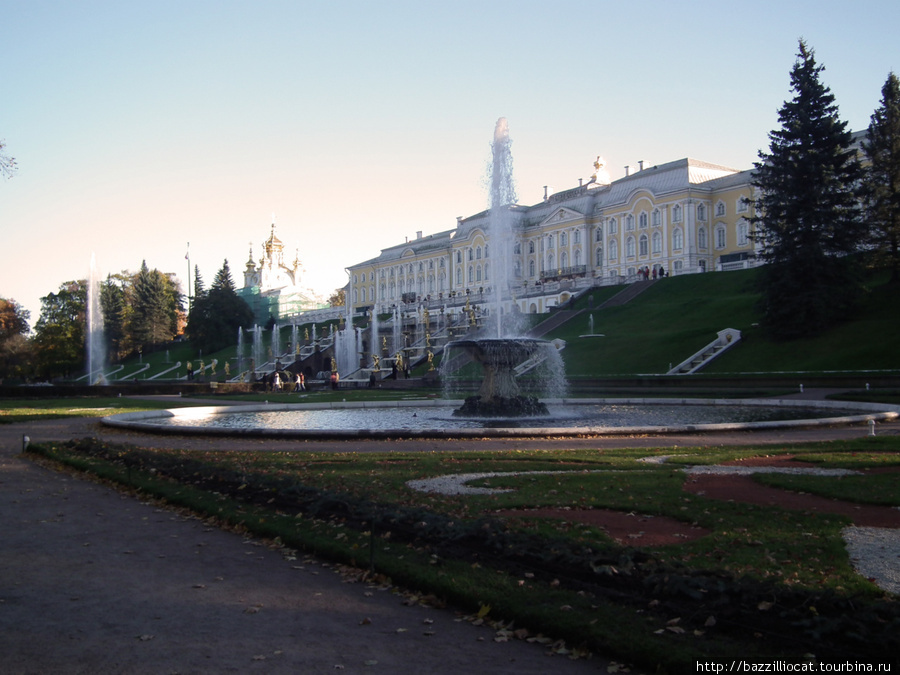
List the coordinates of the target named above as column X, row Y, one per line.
column 278, row 384
column 645, row 273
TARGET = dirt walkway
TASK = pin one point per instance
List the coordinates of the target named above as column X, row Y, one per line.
column 97, row 582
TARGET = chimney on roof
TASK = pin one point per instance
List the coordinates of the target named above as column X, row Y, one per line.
column 640, row 165
column 580, row 182
column 627, row 170
column 545, row 192
column 418, row 234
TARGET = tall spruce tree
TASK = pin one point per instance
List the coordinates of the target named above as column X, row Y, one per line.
column 807, row 211
column 882, row 176
column 218, row 313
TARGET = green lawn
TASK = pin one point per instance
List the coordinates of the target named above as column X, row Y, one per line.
column 764, row 583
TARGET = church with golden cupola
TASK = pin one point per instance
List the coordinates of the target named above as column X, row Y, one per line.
column 272, row 287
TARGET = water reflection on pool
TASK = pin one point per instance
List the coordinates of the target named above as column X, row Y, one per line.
column 441, row 417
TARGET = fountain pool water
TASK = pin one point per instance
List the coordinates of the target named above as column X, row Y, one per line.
column 567, row 417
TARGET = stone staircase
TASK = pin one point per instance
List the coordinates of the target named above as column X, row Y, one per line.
column 726, row 339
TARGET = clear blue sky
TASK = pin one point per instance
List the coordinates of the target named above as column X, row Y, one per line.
column 141, row 126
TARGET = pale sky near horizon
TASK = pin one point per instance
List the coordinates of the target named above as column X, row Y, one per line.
column 141, row 126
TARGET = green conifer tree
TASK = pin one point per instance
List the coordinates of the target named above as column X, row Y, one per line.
column 882, row 176
column 807, row 212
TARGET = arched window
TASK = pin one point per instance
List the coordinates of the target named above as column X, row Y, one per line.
column 577, row 236
column 564, row 259
column 657, row 218
column 629, row 247
column 471, row 274
column 701, row 237
column 531, row 247
column 657, row 242
column 599, row 258
column 487, row 271
column 613, row 226
column 577, row 257
column 677, row 239
column 629, row 223
column 459, row 277
column 471, row 254
column 598, row 236
column 478, row 273
column 531, row 268
column 563, row 239
column 701, row 212
column 487, row 251
column 676, row 213
column 642, row 220
column 478, row 253
column 551, row 262
column 644, row 244
column 613, row 250
column 458, row 257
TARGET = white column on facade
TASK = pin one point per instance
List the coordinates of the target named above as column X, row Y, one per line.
column 690, row 234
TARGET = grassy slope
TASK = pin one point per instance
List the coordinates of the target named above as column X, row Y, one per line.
column 677, row 316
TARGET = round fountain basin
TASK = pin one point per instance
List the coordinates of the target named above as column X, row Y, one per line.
column 435, row 419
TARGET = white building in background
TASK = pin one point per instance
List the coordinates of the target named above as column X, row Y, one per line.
column 272, row 286
column 682, row 217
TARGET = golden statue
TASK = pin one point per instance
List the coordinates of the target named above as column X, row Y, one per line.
column 430, row 360
column 376, row 362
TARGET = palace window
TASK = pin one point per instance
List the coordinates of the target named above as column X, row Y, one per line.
column 599, row 257
column 657, row 219
column 471, row 274
column 743, row 205
column 642, row 220
column 459, row 277
column 643, row 244
column 458, row 257
column 676, row 213
column 613, row 250
column 471, row 255
column 531, row 268
column 720, row 209
column 720, row 236
column 531, row 247
column 629, row 223
column 701, row 237
column 598, row 237
column 678, row 239
column 629, row 247
column 657, row 242
column 701, row 212
column 577, row 257
column 613, row 226
column 577, row 236
column 563, row 239
column 743, row 232
column 478, row 253
column 564, row 259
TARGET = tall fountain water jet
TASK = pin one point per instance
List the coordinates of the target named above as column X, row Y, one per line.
column 507, row 354
column 501, row 230
column 95, row 341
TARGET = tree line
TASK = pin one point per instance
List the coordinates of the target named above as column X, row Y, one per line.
column 142, row 311
column 823, row 211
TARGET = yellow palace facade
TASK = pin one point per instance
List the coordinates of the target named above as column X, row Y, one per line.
column 683, row 217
